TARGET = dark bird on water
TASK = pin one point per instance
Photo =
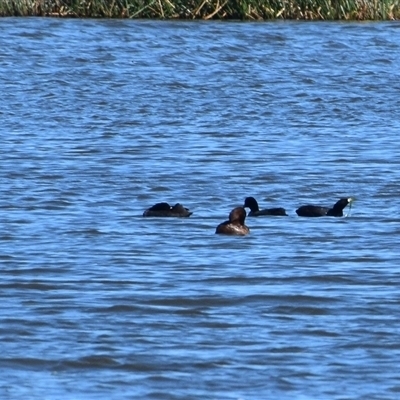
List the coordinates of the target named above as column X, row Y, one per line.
column 165, row 210
column 251, row 202
column 235, row 225
column 318, row 211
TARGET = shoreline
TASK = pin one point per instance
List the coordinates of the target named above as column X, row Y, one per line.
column 252, row 10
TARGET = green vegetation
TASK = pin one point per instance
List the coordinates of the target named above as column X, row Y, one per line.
column 207, row 9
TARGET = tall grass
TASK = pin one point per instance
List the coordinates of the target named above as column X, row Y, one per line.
column 207, row 9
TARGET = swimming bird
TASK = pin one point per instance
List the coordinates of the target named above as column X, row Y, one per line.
column 251, row 202
column 235, row 225
column 318, row 211
column 165, row 210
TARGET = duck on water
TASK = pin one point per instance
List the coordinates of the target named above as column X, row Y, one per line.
column 235, row 225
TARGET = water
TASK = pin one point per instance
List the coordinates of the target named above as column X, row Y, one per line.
column 102, row 119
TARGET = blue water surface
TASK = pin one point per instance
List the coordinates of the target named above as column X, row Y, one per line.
column 103, row 118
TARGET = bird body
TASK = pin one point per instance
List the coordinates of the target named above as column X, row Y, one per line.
column 310, row 210
column 251, row 202
column 235, row 225
column 165, row 210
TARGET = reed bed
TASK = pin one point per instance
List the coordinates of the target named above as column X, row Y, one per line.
column 207, row 9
